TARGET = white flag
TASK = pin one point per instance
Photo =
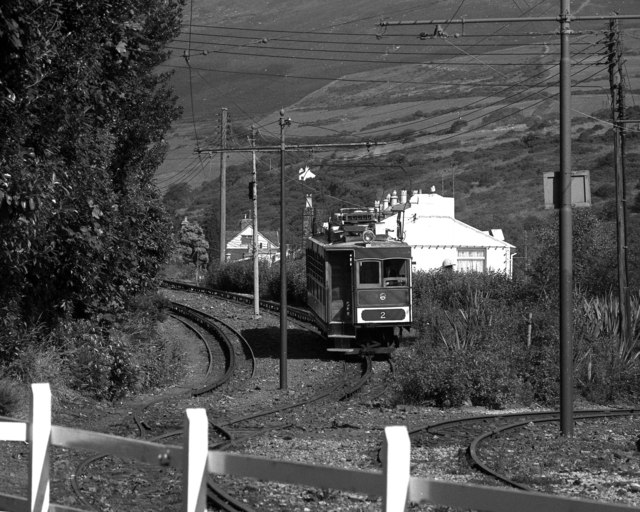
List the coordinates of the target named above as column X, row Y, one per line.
column 305, row 174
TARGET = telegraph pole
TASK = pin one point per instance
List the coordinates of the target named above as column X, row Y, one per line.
column 223, row 186
column 566, row 228
column 616, row 83
column 283, row 259
column 254, row 198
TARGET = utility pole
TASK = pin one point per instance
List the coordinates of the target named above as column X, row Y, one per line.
column 254, row 198
column 566, row 228
column 283, row 259
column 616, row 83
column 223, row 186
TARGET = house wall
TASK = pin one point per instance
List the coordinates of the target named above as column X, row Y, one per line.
column 430, row 228
column 237, row 250
column 425, row 257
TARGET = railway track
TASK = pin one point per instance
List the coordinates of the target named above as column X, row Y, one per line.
column 231, row 364
column 220, row 348
column 266, row 305
column 474, row 434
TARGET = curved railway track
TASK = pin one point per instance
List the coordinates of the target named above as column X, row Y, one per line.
column 215, row 335
column 267, row 305
column 193, row 320
column 474, row 432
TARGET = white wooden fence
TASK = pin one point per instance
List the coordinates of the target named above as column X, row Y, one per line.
column 394, row 484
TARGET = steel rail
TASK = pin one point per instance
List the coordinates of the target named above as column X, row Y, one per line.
column 473, row 448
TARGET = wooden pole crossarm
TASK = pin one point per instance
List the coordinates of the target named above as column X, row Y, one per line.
column 510, row 20
column 290, row 147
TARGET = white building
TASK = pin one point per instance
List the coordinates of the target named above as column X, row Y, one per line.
column 438, row 239
column 240, row 244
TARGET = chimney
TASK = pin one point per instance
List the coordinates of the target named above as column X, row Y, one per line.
column 244, row 222
column 394, row 198
column 385, row 202
column 403, row 196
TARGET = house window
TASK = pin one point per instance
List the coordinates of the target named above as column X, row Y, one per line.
column 471, row 260
column 246, row 239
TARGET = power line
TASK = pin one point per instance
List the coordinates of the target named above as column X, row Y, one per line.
column 343, row 59
column 543, row 84
column 217, row 38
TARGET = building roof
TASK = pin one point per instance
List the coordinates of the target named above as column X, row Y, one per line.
column 270, row 236
column 439, row 231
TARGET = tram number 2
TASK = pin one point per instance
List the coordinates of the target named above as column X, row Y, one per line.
column 383, row 315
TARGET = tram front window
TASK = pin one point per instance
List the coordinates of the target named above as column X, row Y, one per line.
column 370, row 273
column 395, row 272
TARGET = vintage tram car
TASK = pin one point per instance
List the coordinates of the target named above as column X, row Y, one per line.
column 359, row 283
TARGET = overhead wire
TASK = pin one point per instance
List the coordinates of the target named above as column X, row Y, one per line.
column 543, row 84
column 493, row 120
column 253, row 42
column 187, row 58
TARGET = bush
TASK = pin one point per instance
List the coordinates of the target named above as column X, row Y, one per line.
column 104, row 360
column 237, row 277
column 10, row 397
column 451, row 378
column 474, row 344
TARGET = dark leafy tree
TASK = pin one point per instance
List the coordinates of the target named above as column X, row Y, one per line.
column 193, row 246
column 177, row 196
column 594, row 255
column 82, row 118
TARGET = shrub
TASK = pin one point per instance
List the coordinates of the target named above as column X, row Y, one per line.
column 443, row 377
column 238, row 277
column 474, row 344
column 10, row 397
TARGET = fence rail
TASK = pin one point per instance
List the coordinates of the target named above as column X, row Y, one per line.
column 394, row 484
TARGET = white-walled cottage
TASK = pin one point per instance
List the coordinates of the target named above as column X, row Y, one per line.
column 438, row 239
column 240, row 244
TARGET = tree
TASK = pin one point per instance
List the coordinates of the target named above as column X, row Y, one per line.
column 594, row 255
column 83, row 113
column 177, row 196
column 192, row 246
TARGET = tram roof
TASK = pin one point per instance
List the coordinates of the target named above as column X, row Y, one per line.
column 374, row 249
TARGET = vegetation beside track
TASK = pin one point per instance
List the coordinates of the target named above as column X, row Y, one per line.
column 484, row 339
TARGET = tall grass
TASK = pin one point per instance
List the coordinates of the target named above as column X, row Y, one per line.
column 602, row 315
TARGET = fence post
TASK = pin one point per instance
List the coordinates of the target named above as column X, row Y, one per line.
column 396, row 458
column 39, row 436
column 196, row 452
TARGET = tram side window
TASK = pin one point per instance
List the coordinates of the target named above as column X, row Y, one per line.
column 370, row 273
column 395, row 272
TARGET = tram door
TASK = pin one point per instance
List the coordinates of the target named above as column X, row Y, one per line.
column 341, row 307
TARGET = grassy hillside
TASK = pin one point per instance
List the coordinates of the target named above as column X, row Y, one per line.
column 476, row 115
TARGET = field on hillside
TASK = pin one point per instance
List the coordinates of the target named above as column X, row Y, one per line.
column 476, row 116
column 255, row 59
